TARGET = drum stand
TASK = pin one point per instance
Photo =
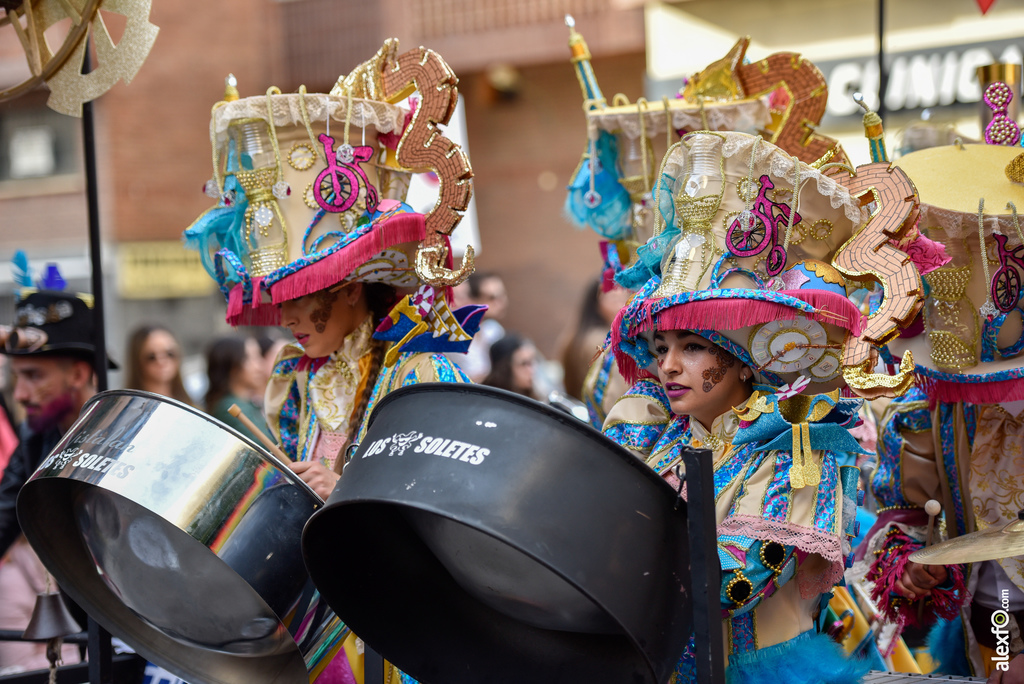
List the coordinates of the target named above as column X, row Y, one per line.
column 101, row 668
column 373, row 666
column 705, row 568
column 100, row 648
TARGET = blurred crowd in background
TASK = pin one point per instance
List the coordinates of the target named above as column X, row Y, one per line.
column 235, row 368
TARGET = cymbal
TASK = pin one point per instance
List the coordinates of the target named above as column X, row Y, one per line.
column 991, row 544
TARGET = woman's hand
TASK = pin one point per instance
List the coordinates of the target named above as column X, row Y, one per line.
column 1013, row 675
column 320, row 479
column 919, row 580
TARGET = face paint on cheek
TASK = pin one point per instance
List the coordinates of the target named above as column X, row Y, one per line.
column 49, row 415
column 322, row 312
column 713, row 376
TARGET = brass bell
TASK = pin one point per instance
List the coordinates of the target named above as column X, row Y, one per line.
column 50, row 619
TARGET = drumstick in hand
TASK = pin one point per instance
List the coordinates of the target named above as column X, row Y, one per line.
column 932, row 508
column 259, row 434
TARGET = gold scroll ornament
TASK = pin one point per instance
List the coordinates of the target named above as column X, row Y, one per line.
column 869, row 257
column 793, row 128
column 423, row 146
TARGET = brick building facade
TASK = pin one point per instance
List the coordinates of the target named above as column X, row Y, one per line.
column 154, row 155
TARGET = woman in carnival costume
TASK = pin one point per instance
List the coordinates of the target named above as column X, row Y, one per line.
column 741, row 342
column 611, row 190
column 957, row 437
column 311, row 232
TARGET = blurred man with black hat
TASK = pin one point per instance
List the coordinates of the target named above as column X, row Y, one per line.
column 52, row 353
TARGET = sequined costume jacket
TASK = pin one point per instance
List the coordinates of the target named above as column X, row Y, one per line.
column 781, row 549
column 309, row 405
column 969, row 458
column 310, row 397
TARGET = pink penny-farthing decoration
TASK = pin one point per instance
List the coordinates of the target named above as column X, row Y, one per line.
column 345, row 179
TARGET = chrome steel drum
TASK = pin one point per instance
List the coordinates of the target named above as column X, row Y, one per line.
column 177, row 534
column 481, row 537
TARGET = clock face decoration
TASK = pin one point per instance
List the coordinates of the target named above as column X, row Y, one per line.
column 796, row 345
column 828, row 367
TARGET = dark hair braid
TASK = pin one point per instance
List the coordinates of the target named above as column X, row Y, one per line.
column 379, row 300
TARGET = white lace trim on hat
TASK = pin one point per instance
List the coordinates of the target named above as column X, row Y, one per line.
column 742, row 115
column 779, row 165
column 287, row 112
column 959, row 224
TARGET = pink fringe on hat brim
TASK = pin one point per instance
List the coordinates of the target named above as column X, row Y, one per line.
column 240, row 313
column 335, row 268
column 733, row 314
column 328, row 271
column 235, row 304
column 970, row 392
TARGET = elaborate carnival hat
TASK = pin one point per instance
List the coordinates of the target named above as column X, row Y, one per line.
column 971, row 344
column 757, row 251
column 47, row 320
column 311, row 191
column 781, row 97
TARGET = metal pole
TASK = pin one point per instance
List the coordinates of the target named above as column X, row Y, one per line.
column 705, row 568
column 101, row 655
column 95, row 255
column 883, row 71
column 100, row 650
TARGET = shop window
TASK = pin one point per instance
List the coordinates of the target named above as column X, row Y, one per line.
column 37, row 143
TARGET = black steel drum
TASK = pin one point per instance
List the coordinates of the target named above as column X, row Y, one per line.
column 478, row 536
column 177, row 534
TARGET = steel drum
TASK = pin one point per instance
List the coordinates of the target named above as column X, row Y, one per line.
column 177, row 534
column 479, row 536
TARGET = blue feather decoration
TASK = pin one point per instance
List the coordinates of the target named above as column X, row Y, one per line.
column 21, row 271
column 808, row 659
column 223, row 226
column 946, row 647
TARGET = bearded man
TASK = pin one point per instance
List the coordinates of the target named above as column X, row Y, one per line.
column 52, row 352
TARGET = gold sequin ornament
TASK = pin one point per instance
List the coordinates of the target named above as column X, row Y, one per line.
column 694, row 252
column 301, row 156
column 952, row 321
column 821, row 229
column 430, row 269
column 860, row 377
column 803, row 458
column 265, row 228
column 307, row 197
column 1015, row 169
column 718, row 81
